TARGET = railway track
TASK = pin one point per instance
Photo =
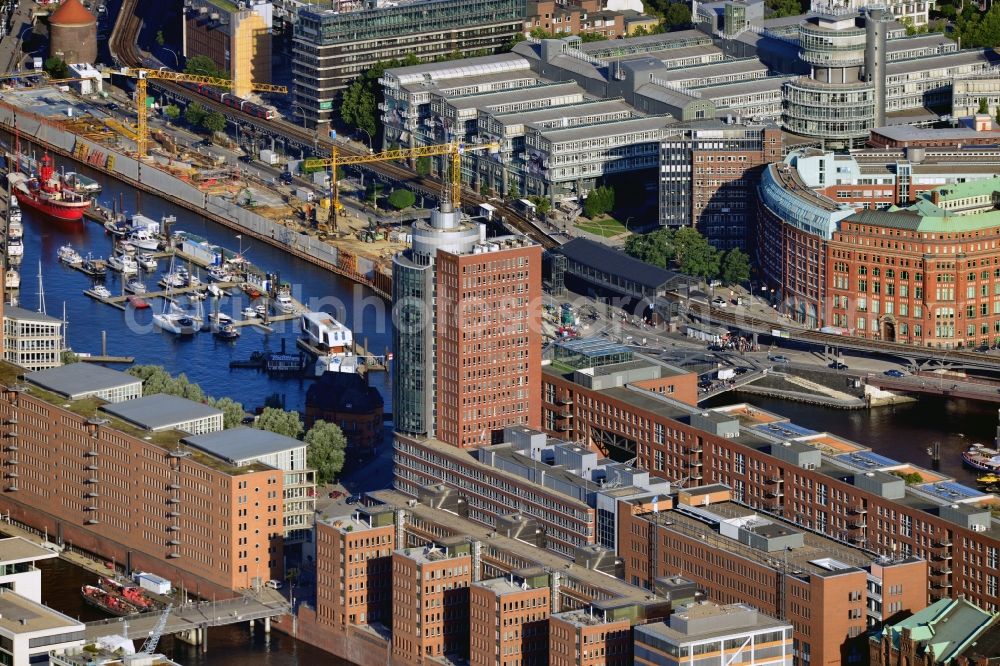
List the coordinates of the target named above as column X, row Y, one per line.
column 123, row 45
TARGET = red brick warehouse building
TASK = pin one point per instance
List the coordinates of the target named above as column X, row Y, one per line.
column 843, row 242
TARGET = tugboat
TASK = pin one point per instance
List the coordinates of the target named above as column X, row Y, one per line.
column 107, row 602
column 48, row 193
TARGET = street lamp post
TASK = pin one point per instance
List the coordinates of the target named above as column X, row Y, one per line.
column 302, row 113
column 177, row 61
column 370, row 148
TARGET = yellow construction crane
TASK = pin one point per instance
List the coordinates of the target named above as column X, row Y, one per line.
column 452, row 186
column 143, row 75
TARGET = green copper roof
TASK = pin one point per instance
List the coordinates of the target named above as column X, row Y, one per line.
column 926, row 216
column 947, row 627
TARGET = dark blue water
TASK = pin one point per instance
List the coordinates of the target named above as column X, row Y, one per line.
column 203, row 359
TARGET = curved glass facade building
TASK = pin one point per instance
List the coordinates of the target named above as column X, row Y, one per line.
column 843, row 98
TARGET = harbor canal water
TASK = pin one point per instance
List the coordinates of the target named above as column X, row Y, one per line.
column 204, row 359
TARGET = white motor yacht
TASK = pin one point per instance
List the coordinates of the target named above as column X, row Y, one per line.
column 123, row 263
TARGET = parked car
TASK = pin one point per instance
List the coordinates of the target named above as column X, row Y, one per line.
column 741, row 370
column 777, row 358
column 837, row 365
column 273, row 584
column 719, row 302
column 894, row 373
column 334, row 494
column 285, row 177
column 353, row 499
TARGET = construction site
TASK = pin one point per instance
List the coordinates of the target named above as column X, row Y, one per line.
column 361, row 235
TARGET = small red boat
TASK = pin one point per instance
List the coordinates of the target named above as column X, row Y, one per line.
column 107, row 602
column 137, row 302
column 133, row 594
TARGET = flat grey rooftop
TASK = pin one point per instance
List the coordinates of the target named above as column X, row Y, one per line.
column 160, row 411
column 489, row 64
column 584, row 108
column 715, row 69
column 19, row 615
column 15, row 312
column 526, row 94
column 767, row 84
column 77, row 379
column 444, row 86
column 18, row 549
column 939, row 61
column 241, row 444
column 610, row 128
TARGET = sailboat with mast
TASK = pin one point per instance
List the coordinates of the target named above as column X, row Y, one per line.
column 172, row 319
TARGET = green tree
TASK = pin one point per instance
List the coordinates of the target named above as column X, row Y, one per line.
column 56, row 67
column 977, row 30
column 204, row 66
column 910, row 478
column 160, row 39
column 194, row 114
column 542, row 205
column 735, row 267
column 325, row 446
column 280, row 421
column 600, row 201
column 656, row 247
column 69, row 358
column 787, row 7
column 423, row 166
column 984, row 105
column 359, row 103
column 400, row 199
column 677, row 15
column 172, row 112
column 695, row 256
column 214, row 122
column 513, row 191
column 232, row 411
column 358, row 107
column 586, row 37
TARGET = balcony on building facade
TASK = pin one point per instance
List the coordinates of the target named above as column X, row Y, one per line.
column 13, row 447
column 941, row 557
column 774, row 492
column 775, row 479
column 942, row 542
column 941, row 570
column 564, row 399
column 91, row 521
column 858, row 509
column 91, row 494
